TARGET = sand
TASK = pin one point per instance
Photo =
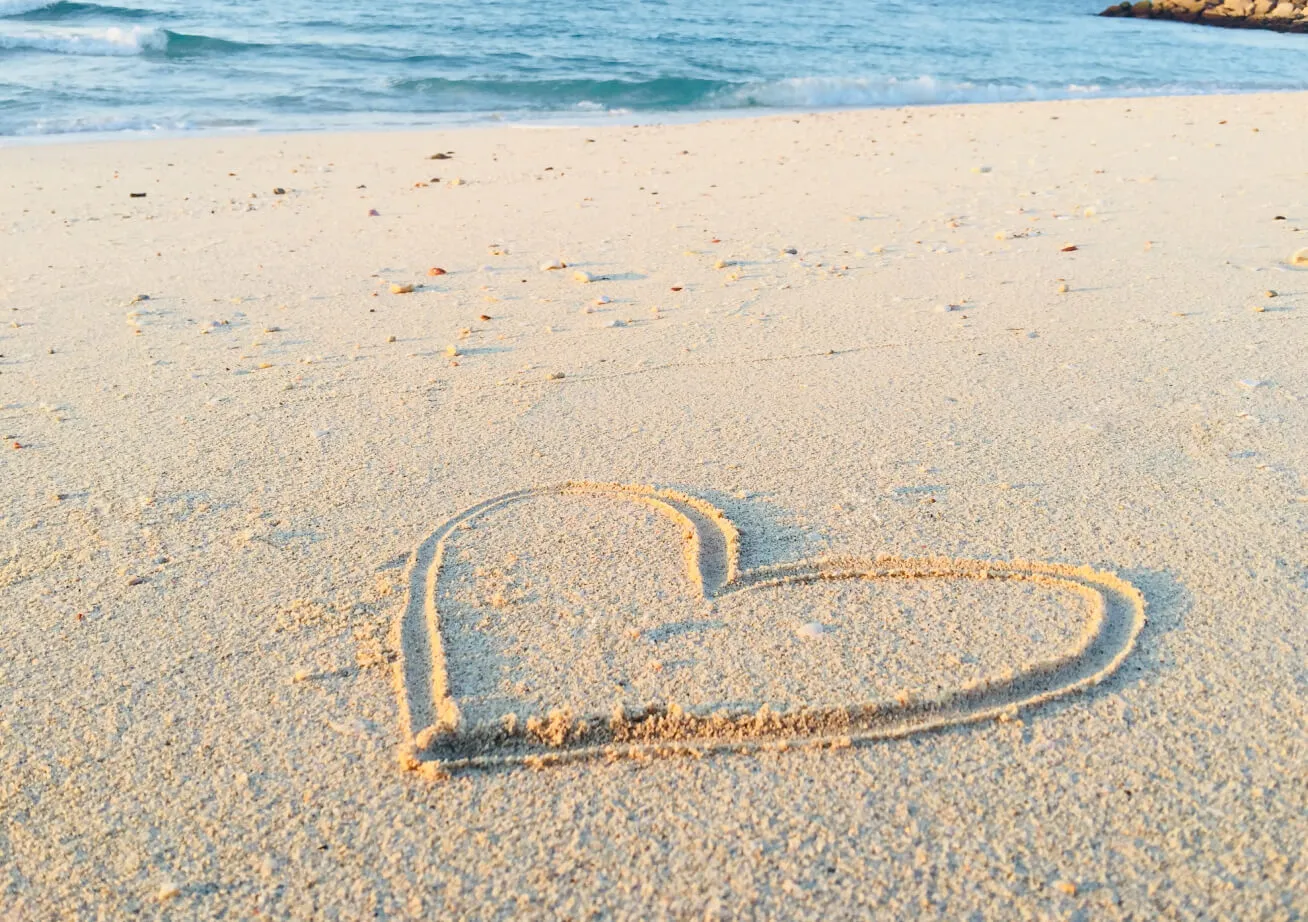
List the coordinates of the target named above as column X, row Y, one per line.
column 527, row 663
column 1058, row 340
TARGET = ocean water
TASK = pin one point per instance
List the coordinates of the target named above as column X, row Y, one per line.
column 207, row 65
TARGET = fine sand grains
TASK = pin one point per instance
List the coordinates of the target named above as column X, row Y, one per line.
column 222, row 439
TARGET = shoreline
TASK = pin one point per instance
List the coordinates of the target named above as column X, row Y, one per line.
column 562, row 120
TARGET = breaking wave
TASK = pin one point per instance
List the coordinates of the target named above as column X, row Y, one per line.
column 117, row 41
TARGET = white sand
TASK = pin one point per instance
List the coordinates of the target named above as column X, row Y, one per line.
column 205, row 529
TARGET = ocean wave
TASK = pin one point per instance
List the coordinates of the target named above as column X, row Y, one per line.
column 109, row 125
column 18, row 7
column 681, row 93
column 101, row 125
column 98, row 42
column 115, row 41
column 471, row 95
column 849, row 92
column 59, row 10
column 183, row 44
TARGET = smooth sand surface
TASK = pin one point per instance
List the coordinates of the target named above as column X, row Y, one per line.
column 1037, row 332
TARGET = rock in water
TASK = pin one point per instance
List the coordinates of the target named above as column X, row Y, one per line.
column 1276, row 15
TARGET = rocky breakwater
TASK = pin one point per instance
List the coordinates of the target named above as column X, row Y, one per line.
column 1278, row 15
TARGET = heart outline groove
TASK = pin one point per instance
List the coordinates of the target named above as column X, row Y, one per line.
column 436, row 741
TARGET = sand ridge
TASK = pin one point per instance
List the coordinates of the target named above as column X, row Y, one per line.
column 437, row 740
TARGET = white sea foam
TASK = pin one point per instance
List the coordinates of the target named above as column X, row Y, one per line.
column 104, row 125
column 98, row 42
column 834, row 92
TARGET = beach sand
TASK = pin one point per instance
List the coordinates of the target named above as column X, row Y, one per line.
column 240, row 651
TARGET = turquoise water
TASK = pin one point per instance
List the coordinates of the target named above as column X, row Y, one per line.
column 204, row 65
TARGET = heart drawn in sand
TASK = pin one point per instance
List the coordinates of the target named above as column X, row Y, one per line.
column 440, row 738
